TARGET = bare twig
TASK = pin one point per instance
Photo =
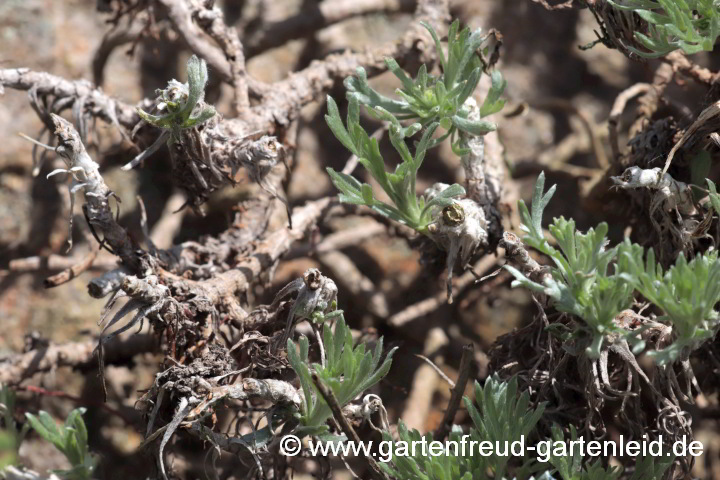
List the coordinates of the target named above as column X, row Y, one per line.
column 345, row 426
column 437, row 369
column 57, row 262
column 108, row 282
column 100, row 217
column 586, row 121
column 352, row 280
column 485, row 172
column 14, row 473
column 170, row 221
column 649, row 102
column 228, row 59
column 103, row 106
column 617, row 110
column 681, row 64
column 517, row 254
column 560, row 6
column 430, row 304
column 72, row 272
column 277, row 392
column 15, row 368
column 274, row 246
column 707, row 119
column 483, row 165
column 283, row 101
column 320, row 16
column 80, row 401
column 424, row 384
column 341, row 239
column 110, row 41
column 223, row 288
column 468, row 355
column 556, row 158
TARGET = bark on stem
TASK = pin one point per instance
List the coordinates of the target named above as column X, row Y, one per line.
column 458, row 390
column 100, row 217
column 315, row 18
column 15, row 368
column 345, row 426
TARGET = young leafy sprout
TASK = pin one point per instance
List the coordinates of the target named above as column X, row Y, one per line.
column 435, row 101
column 713, row 196
column 438, row 99
column 581, row 282
column 501, row 416
column 407, row 208
column 571, row 465
column 347, row 372
column 180, row 107
column 71, row 439
column 11, row 434
column 442, row 101
column 690, row 25
column 687, row 293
